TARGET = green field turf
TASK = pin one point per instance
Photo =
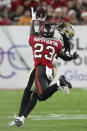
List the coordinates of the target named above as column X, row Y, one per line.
column 59, row 113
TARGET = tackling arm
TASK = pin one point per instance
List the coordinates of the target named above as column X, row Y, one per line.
column 66, row 57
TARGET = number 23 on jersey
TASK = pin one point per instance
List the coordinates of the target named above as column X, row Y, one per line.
column 39, row 48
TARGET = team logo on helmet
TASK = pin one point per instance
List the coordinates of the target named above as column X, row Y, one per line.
column 66, row 28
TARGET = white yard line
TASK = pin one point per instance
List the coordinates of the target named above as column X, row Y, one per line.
column 55, row 117
column 58, row 117
column 57, row 112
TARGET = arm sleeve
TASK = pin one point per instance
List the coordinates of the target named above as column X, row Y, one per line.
column 59, row 46
column 30, row 40
column 65, row 57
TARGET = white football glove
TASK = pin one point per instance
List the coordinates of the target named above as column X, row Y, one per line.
column 33, row 14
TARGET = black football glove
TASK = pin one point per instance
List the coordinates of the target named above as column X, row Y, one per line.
column 75, row 55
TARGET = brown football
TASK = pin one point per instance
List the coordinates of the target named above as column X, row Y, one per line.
column 41, row 12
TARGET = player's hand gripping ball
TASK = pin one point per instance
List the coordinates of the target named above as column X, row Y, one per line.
column 41, row 12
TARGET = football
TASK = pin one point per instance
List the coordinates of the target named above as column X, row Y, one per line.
column 41, row 12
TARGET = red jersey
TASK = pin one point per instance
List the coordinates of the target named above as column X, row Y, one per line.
column 44, row 50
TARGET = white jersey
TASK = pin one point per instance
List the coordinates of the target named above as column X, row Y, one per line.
column 58, row 36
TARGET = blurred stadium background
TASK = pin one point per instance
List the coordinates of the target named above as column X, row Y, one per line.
column 60, row 112
column 17, row 12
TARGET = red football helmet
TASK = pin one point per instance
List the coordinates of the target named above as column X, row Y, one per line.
column 47, row 31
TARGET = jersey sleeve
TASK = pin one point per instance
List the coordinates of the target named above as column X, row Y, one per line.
column 60, row 46
column 30, row 40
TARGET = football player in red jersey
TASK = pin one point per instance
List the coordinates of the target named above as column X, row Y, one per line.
column 44, row 48
column 43, row 61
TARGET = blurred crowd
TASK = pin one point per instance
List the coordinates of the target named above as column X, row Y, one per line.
column 17, row 12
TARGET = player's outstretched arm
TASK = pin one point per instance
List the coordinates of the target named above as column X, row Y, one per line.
column 35, row 17
column 66, row 57
column 32, row 28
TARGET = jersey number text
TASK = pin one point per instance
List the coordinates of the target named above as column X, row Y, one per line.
column 38, row 49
